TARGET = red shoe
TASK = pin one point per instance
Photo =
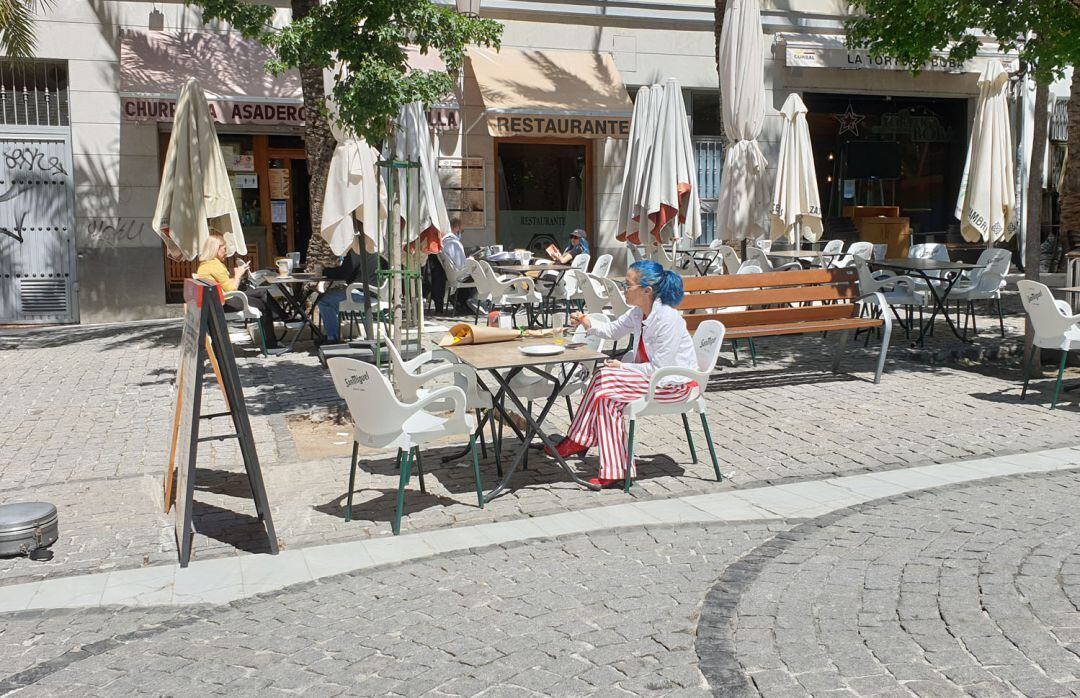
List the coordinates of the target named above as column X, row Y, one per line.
column 567, row 448
column 605, row 483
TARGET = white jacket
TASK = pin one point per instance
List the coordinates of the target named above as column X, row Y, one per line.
column 667, row 341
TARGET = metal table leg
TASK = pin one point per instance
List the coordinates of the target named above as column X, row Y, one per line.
column 939, row 306
column 534, row 426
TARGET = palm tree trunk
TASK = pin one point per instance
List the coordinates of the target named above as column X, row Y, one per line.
column 1070, row 192
column 319, row 143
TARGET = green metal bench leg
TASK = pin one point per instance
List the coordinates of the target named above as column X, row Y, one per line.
column 352, row 481
column 735, row 349
column 403, row 479
column 1057, row 385
column 689, row 438
column 753, row 351
column 419, row 468
column 712, row 448
column 629, row 457
column 476, row 472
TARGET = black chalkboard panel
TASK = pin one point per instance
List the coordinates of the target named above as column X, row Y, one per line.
column 204, row 318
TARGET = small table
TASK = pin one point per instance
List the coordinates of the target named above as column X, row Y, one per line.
column 292, row 288
column 506, row 356
column 800, row 255
column 559, row 269
column 940, row 286
column 701, row 256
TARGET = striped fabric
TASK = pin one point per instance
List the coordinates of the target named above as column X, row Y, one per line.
column 599, row 419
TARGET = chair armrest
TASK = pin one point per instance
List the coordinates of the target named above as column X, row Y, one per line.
column 230, row 295
column 511, row 284
column 792, row 266
column 449, row 392
column 701, row 377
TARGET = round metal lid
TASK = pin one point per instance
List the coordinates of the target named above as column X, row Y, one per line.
column 19, row 515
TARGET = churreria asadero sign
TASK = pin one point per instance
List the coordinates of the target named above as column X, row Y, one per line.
column 502, row 125
column 221, row 111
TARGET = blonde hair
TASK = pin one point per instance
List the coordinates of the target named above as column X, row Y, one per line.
column 214, row 242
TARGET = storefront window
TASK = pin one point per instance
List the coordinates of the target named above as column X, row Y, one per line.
column 542, row 196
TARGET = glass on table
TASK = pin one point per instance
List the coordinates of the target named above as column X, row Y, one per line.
column 558, row 321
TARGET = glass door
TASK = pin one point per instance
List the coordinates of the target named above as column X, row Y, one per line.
column 543, row 192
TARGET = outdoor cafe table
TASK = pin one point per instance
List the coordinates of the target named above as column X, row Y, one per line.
column 292, row 288
column 945, row 276
column 802, row 255
column 522, row 269
column 701, row 256
column 503, row 361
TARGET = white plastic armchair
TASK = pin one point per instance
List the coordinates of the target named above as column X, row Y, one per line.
column 518, row 290
column 591, row 291
column 757, row 256
column 731, row 259
column 602, row 267
column 382, row 421
column 707, row 340
column 660, row 255
column 830, row 252
column 615, row 297
column 984, row 284
column 411, row 376
column 1052, row 325
column 862, row 249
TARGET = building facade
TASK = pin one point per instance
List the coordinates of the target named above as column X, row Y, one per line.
column 531, row 145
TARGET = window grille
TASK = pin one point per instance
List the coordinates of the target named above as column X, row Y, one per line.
column 33, row 93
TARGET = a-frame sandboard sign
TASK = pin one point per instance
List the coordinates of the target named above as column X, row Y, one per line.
column 206, row 338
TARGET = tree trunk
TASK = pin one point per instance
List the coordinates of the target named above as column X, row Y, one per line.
column 1033, row 243
column 319, row 143
column 1070, row 192
column 718, row 29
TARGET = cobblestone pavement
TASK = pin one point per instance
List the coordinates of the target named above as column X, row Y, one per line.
column 967, row 590
column 87, row 412
column 972, row 590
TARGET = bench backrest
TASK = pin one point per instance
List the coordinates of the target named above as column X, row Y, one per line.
column 751, row 297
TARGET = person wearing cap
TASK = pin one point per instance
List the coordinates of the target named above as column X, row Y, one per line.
column 578, row 245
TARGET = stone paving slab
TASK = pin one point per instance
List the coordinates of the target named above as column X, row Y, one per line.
column 89, row 412
column 965, row 589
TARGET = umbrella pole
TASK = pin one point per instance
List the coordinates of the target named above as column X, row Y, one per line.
column 368, row 330
column 798, row 233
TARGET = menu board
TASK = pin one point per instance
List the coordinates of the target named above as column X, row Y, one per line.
column 462, row 181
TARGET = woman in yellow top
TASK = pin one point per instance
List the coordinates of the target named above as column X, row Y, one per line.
column 212, row 268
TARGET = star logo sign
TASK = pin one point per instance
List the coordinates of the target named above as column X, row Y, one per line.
column 849, row 121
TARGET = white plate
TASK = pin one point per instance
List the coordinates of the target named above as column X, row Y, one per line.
column 542, row 350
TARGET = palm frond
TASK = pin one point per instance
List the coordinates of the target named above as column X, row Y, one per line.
column 17, row 19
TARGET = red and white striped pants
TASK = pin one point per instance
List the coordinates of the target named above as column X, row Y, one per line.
column 599, row 419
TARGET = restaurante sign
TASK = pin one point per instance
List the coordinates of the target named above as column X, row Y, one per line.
column 222, row 111
column 503, row 125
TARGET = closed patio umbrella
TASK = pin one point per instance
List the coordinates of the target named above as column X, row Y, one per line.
column 352, row 191
column 671, row 200
column 195, row 190
column 426, row 207
column 743, row 195
column 796, row 209
column 987, row 203
column 633, row 169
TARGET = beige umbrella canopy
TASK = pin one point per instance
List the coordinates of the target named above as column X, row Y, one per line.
column 671, row 201
column 195, row 191
column 744, row 192
column 419, row 189
column 796, row 209
column 637, row 147
column 987, row 203
column 352, row 191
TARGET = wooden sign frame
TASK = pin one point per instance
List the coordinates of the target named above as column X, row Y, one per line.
column 206, row 338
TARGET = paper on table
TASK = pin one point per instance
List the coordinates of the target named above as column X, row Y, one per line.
column 468, row 334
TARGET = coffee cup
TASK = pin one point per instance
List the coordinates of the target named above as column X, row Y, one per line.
column 283, row 266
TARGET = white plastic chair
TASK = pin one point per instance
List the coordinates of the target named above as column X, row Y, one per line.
column 602, row 267
column 758, row 256
column 615, row 297
column 731, row 259
column 513, row 292
column 984, row 284
column 382, row 421
column 660, row 255
column 591, row 291
column 1052, row 325
column 896, row 289
column 862, row 249
column 354, row 309
column 830, row 252
column 707, row 340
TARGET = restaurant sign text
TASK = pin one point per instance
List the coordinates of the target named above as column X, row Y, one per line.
column 542, row 126
column 222, row 111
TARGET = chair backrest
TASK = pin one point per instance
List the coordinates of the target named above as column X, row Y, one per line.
column 659, row 255
column 833, row 247
column 862, row 249
column 602, row 266
column 479, row 270
column 993, row 267
column 400, row 374
column 763, row 245
column 707, row 340
column 867, row 282
column 1048, row 320
column 591, row 290
column 615, row 297
column 929, row 250
column 372, row 403
column 757, row 256
column 581, row 262
column 731, row 260
column 790, row 293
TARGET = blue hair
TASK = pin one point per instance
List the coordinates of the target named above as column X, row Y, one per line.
column 665, row 284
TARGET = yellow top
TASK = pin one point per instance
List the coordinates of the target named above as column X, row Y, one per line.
column 216, row 271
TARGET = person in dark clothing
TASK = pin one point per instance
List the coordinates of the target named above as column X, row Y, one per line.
column 435, row 282
column 350, row 271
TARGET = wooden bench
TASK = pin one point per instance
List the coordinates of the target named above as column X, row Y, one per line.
column 787, row 302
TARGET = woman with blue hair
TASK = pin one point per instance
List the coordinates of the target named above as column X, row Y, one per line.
column 662, row 341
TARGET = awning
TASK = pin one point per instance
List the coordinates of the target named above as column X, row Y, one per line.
column 830, row 51
column 560, row 94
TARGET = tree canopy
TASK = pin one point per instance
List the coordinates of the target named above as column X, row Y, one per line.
column 365, row 42
column 1045, row 33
